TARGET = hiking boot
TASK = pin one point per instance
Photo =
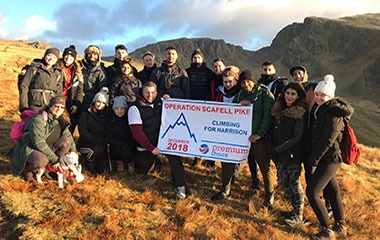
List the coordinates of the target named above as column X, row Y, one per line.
column 324, row 234
column 340, row 230
column 180, row 192
column 226, row 190
column 269, row 200
column 294, row 221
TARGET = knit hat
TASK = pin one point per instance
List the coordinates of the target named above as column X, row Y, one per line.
column 148, row 53
column 61, row 100
column 93, row 48
column 197, row 51
column 299, row 67
column 101, row 96
column 53, row 50
column 327, row 86
column 71, row 51
column 246, row 75
column 119, row 101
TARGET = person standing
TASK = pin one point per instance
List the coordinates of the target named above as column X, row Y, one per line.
column 217, row 80
column 149, row 65
column 72, row 84
column 172, row 81
column 290, row 113
column 325, row 158
column 270, row 78
column 199, row 76
column 262, row 100
column 300, row 75
column 121, row 54
column 227, row 93
column 94, row 76
column 41, row 82
column 200, row 85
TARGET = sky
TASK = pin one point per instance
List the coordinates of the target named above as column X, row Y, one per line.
column 251, row 24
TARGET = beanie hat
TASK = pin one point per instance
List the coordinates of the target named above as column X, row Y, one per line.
column 101, row 96
column 246, row 75
column 71, row 51
column 119, row 101
column 93, row 48
column 197, row 51
column 57, row 100
column 53, row 50
column 148, row 53
column 299, row 67
column 327, row 86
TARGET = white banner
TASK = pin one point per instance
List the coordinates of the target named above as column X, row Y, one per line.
column 211, row 130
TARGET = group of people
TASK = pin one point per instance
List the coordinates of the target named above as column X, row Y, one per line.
column 118, row 113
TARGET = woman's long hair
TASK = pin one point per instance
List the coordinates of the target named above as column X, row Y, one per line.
column 301, row 101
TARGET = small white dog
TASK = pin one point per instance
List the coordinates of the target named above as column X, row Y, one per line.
column 68, row 167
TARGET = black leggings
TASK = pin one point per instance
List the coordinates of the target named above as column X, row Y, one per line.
column 324, row 179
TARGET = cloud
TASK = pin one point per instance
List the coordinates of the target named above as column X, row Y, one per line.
column 33, row 26
column 250, row 24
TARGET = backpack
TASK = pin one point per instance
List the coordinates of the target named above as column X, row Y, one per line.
column 18, row 127
column 349, row 145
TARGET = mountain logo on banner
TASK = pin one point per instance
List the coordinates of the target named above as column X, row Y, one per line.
column 181, row 121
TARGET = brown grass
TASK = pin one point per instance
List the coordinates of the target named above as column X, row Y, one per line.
column 120, row 206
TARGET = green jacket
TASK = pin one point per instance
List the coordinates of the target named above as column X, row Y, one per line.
column 262, row 100
column 36, row 131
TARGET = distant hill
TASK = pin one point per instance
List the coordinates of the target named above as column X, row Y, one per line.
column 346, row 47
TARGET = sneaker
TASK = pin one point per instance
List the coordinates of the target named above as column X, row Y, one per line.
column 324, row 234
column 294, row 220
column 180, row 192
column 219, row 196
column 340, row 230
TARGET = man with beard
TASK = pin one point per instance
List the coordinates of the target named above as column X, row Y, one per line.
column 172, row 81
column 121, row 53
column 270, row 79
column 94, row 76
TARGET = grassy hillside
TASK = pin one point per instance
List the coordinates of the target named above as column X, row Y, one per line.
column 121, row 206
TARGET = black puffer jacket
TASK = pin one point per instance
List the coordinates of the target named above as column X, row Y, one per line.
column 287, row 134
column 275, row 83
column 171, row 80
column 39, row 85
column 144, row 75
column 327, row 131
column 200, row 81
column 91, row 126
